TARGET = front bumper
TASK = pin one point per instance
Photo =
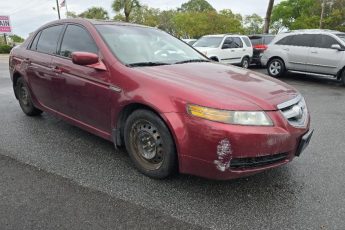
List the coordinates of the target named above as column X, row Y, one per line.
column 222, row 151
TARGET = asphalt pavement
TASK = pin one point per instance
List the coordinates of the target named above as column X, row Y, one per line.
column 54, row 175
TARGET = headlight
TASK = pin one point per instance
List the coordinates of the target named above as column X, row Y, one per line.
column 256, row 118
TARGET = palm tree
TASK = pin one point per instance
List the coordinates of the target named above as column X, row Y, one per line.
column 268, row 16
column 125, row 5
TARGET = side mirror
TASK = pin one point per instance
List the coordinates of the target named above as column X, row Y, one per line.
column 337, row 47
column 88, row 59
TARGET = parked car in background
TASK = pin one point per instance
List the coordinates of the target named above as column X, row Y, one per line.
column 312, row 52
column 259, row 42
column 171, row 107
column 226, row 48
column 189, row 41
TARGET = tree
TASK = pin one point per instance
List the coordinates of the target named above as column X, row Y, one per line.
column 126, row 5
column 17, row 39
column 253, row 24
column 297, row 14
column 71, row 14
column 145, row 15
column 196, row 6
column 95, row 13
column 268, row 16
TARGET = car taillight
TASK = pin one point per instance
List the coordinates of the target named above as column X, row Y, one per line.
column 261, row 47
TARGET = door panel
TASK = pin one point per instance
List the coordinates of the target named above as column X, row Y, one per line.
column 297, row 57
column 41, row 76
column 232, row 50
column 322, row 58
column 84, row 93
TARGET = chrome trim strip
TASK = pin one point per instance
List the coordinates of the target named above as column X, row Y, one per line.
column 299, row 63
column 115, row 89
column 313, row 74
column 289, row 103
column 327, row 66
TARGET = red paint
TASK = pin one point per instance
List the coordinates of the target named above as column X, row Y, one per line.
column 82, row 96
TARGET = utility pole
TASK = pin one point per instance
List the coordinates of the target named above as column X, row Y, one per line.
column 268, row 16
column 58, row 8
column 323, row 4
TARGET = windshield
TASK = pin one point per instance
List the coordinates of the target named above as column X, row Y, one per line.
column 341, row 36
column 143, row 46
column 212, row 42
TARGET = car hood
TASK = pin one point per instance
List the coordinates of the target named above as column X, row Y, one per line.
column 222, row 86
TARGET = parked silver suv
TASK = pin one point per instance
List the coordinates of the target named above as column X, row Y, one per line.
column 313, row 52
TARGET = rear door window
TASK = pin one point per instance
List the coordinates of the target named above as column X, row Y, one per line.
column 236, row 42
column 305, row 40
column 35, row 41
column 285, row 41
column 49, row 38
column 76, row 38
column 247, row 41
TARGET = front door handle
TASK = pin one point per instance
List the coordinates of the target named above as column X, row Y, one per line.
column 314, row 52
column 286, row 49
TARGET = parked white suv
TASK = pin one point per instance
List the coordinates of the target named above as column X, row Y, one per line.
column 230, row 49
column 312, row 52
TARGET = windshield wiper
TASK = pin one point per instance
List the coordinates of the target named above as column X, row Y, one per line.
column 138, row 64
column 192, row 60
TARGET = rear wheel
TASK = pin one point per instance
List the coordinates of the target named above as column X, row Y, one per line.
column 276, row 67
column 245, row 63
column 150, row 145
column 25, row 100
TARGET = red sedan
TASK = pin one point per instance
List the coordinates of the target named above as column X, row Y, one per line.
column 171, row 107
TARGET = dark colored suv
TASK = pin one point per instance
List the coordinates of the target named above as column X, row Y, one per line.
column 260, row 42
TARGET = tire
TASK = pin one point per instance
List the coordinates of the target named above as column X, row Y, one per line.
column 25, row 100
column 245, row 63
column 150, row 144
column 342, row 78
column 276, row 68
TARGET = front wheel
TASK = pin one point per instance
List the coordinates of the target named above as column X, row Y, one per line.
column 342, row 77
column 150, row 144
column 245, row 63
column 276, row 68
column 25, row 100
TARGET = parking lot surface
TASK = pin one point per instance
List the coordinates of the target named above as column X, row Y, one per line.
column 308, row 193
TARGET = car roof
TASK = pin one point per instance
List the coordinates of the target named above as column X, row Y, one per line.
column 95, row 22
column 313, row 31
column 224, row 35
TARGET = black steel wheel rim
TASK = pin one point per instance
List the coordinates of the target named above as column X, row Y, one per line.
column 146, row 141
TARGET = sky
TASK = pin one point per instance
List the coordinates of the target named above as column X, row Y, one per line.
column 27, row 15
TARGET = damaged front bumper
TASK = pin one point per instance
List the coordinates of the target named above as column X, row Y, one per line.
column 222, row 151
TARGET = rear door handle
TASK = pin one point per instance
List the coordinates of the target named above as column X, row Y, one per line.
column 286, row 49
column 314, row 52
column 27, row 60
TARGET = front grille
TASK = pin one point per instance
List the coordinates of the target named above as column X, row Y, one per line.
column 254, row 162
column 295, row 111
